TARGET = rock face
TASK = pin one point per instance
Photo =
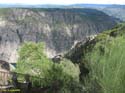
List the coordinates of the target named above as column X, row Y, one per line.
column 4, row 66
column 58, row 28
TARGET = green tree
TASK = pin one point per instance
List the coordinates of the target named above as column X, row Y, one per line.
column 34, row 62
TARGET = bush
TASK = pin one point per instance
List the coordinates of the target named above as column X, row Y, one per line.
column 107, row 67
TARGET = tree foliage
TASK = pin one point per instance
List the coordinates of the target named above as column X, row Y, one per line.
column 34, row 62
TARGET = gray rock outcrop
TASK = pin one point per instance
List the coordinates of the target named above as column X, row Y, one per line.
column 58, row 28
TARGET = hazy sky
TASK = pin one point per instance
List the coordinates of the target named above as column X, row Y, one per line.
column 63, row 1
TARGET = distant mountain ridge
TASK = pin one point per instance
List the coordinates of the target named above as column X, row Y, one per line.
column 115, row 10
column 58, row 6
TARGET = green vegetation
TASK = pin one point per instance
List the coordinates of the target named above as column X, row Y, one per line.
column 106, row 62
column 32, row 61
column 104, row 58
column 4, row 11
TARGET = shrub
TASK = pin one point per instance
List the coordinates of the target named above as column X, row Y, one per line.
column 107, row 67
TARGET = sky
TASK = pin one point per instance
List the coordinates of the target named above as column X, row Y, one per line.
column 62, row 2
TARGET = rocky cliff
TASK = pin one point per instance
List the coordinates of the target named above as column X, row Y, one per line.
column 58, row 28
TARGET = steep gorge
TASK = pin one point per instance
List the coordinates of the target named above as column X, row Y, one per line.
column 58, row 28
